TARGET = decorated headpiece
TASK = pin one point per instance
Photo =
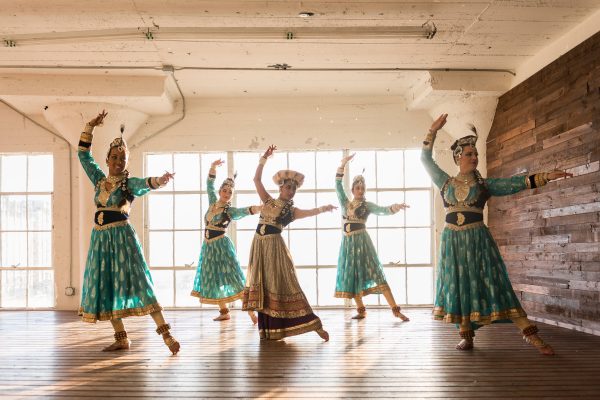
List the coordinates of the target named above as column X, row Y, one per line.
column 469, row 140
column 229, row 182
column 359, row 180
column 119, row 142
column 288, row 175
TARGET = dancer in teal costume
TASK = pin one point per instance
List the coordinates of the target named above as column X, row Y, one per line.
column 117, row 282
column 472, row 286
column 219, row 278
column 359, row 271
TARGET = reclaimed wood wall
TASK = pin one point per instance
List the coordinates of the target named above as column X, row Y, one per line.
column 550, row 236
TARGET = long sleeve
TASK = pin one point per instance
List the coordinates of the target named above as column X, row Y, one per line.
column 140, row 186
column 238, row 213
column 90, row 167
column 438, row 176
column 210, row 188
column 379, row 210
column 506, row 186
column 341, row 193
column 84, row 153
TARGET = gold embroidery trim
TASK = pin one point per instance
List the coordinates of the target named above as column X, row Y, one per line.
column 379, row 289
column 460, row 218
column 355, row 232
column 275, row 334
column 440, row 314
column 207, row 300
column 453, row 227
column 207, row 240
column 111, row 225
column 128, row 312
column 463, row 208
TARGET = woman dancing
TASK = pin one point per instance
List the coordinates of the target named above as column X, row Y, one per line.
column 472, row 287
column 117, row 282
column 359, row 271
column 272, row 287
column 219, row 278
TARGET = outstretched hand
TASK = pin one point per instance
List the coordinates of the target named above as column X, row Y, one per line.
column 397, row 207
column 166, row 178
column 557, row 174
column 99, row 119
column 269, row 151
column 438, row 123
column 327, row 208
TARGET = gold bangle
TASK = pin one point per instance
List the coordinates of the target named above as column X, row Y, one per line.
column 262, row 160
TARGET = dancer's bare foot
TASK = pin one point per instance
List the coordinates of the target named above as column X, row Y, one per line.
column 543, row 347
column 171, row 343
column 398, row 314
column 223, row 315
column 323, row 334
column 121, row 344
column 530, row 335
column 465, row 344
column 253, row 317
column 361, row 313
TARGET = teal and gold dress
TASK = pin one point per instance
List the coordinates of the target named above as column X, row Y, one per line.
column 359, row 271
column 116, row 281
column 472, row 282
column 219, row 277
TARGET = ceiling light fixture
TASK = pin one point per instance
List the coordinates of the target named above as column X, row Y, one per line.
column 424, row 31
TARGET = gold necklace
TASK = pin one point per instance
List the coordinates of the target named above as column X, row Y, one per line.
column 114, row 178
column 462, row 186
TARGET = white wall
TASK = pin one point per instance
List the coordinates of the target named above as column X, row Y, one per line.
column 17, row 134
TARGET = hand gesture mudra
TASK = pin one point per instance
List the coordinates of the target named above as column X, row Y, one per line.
column 557, row 174
column 438, row 123
column 99, row 119
column 398, row 206
column 270, row 150
column 327, row 208
column 346, row 159
column 217, row 163
column 166, row 178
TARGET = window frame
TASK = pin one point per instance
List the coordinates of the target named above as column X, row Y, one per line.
column 28, row 268
column 233, row 230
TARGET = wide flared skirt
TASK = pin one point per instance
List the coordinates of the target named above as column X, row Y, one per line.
column 116, row 281
column 219, row 277
column 472, row 282
column 359, row 270
column 273, row 290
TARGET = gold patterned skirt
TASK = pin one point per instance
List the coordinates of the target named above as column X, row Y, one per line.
column 272, row 289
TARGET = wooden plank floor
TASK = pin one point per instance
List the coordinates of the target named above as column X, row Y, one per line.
column 54, row 355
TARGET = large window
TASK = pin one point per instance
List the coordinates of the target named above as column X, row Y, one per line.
column 175, row 219
column 26, row 273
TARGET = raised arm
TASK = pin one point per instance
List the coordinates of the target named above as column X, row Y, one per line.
column 438, row 176
column 298, row 213
column 84, row 152
column 260, row 188
column 339, row 176
column 210, row 181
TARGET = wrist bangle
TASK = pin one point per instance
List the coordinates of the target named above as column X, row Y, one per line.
column 262, row 160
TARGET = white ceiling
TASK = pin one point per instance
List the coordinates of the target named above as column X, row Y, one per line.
column 92, row 41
